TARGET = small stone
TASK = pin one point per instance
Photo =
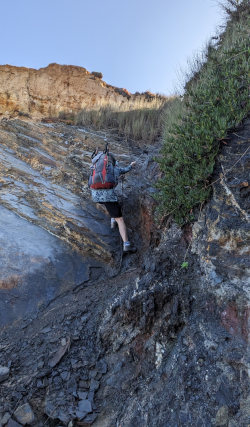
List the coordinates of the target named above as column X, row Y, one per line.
column 102, row 366
column 118, row 367
column 93, row 373
column 111, row 381
column 63, row 342
column 94, row 385
column 4, row 373
column 65, row 375
column 63, row 416
column 91, row 396
column 40, row 364
column 74, row 362
column 53, row 340
column 80, row 415
column 16, row 395
column 46, row 330
column 71, row 385
column 90, row 419
column 82, row 395
column 98, row 376
column 24, row 414
column 77, row 365
column 221, row 418
column 84, row 384
column 13, row 423
column 5, row 418
column 84, row 377
column 84, row 406
column 40, row 384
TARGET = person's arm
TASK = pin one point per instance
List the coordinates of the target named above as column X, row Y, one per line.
column 126, row 169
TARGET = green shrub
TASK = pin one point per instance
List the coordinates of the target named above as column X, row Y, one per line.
column 215, row 100
column 97, row 74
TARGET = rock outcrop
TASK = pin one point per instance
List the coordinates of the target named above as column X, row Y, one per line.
column 177, row 337
column 51, row 233
column 57, row 88
column 146, row 342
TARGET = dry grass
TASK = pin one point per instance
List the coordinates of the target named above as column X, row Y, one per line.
column 139, row 119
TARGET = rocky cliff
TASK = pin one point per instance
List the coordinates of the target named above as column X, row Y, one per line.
column 89, row 338
column 54, row 89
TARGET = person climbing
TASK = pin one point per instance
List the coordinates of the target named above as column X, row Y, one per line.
column 102, row 182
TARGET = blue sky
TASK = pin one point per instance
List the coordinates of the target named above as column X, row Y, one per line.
column 137, row 44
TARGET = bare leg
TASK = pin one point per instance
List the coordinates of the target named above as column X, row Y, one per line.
column 122, row 228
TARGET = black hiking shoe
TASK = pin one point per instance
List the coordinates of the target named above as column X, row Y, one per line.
column 127, row 247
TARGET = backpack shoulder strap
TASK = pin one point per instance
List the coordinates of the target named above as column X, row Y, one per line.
column 96, row 158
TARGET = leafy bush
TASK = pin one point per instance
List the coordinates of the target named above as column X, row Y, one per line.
column 97, row 74
column 215, row 100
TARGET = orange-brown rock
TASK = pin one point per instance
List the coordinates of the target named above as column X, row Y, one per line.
column 54, row 89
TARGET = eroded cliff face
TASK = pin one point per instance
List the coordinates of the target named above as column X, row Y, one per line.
column 54, row 89
column 143, row 342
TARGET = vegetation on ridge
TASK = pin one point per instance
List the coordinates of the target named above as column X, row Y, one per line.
column 140, row 120
column 215, row 100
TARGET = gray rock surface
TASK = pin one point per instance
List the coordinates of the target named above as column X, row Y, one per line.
column 51, row 233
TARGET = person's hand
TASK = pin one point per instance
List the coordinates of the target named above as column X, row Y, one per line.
column 132, row 164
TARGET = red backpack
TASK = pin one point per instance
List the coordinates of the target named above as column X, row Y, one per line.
column 102, row 176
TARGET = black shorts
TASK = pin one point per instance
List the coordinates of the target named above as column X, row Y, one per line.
column 114, row 209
